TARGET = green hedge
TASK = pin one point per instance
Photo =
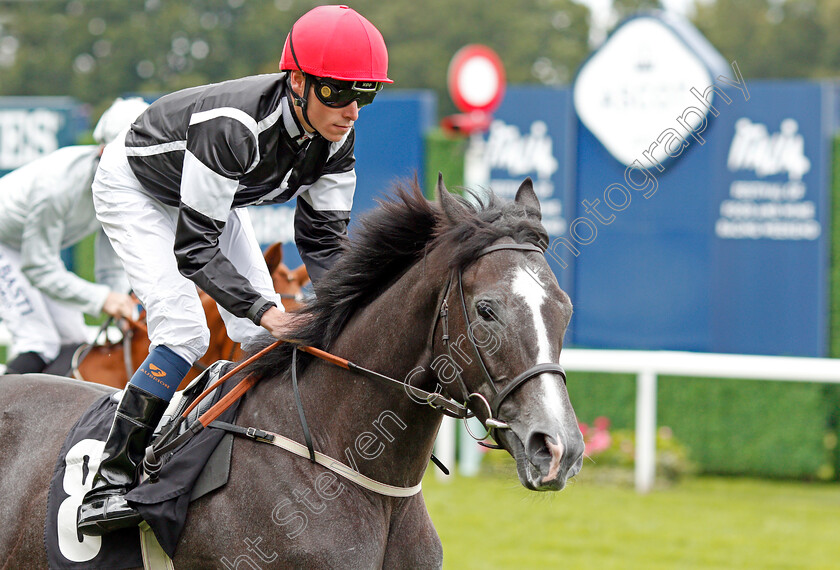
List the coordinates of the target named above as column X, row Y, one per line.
column 83, row 265
column 445, row 154
column 750, row 427
column 771, row 429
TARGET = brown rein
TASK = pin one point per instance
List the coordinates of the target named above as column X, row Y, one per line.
column 152, row 462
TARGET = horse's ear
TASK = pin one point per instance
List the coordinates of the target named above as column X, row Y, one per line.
column 451, row 207
column 527, row 197
column 301, row 275
column 274, row 256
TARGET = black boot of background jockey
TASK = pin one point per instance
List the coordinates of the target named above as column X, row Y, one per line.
column 104, row 508
column 26, row 363
column 32, row 362
column 62, row 365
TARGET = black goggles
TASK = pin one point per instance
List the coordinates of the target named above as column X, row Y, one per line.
column 336, row 93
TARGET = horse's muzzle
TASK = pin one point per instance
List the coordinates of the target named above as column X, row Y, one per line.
column 545, row 462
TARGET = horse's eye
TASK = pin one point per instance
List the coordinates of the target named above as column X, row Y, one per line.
column 484, row 310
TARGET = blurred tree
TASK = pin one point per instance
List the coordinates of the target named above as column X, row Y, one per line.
column 773, row 38
column 828, row 15
column 96, row 50
column 543, row 41
column 625, row 8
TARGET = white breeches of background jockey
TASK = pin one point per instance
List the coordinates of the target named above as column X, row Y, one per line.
column 36, row 322
column 142, row 232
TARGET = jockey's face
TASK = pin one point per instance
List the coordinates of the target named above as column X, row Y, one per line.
column 331, row 122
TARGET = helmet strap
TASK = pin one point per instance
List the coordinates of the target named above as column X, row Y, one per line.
column 299, row 101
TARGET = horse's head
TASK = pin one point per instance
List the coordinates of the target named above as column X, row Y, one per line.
column 506, row 317
column 460, row 295
column 288, row 282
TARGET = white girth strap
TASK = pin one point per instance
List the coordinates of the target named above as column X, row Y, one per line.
column 154, row 557
column 342, row 469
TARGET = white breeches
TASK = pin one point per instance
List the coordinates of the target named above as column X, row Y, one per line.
column 142, row 232
column 36, row 322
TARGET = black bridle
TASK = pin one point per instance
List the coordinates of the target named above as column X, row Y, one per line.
column 492, row 424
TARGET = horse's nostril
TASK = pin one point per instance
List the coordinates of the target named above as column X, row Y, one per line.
column 536, row 447
column 545, row 452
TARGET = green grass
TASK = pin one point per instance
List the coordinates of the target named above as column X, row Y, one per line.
column 493, row 522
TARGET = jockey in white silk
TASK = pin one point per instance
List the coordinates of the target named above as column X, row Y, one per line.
column 48, row 206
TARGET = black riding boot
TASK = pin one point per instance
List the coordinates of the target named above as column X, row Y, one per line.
column 26, row 363
column 104, row 508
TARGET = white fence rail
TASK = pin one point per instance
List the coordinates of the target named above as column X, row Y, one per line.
column 648, row 365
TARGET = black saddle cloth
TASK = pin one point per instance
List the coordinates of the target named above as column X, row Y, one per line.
column 162, row 504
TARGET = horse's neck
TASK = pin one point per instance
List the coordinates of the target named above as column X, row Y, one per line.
column 362, row 421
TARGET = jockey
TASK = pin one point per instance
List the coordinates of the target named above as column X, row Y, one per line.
column 171, row 195
column 47, row 206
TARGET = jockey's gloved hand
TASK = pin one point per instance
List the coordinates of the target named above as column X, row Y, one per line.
column 119, row 305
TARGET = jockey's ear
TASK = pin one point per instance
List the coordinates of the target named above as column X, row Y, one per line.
column 453, row 210
column 527, row 197
column 274, row 256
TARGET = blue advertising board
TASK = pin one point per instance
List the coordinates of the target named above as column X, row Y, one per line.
column 700, row 220
column 642, row 272
column 730, row 252
column 531, row 135
column 31, row 127
column 771, row 228
column 389, row 145
column 646, row 103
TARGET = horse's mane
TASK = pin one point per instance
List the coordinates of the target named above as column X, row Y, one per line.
column 386, row 243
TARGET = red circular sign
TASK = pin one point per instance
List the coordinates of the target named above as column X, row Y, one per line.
column 476, row 79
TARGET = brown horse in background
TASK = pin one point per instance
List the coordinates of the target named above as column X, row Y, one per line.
column 107, row 363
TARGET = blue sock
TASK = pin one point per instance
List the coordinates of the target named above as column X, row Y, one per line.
column 161, row 372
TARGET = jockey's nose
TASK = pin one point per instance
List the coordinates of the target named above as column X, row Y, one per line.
column 351, row 111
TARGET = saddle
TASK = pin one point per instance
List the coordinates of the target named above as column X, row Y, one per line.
column 191, row 471
column 217, row 467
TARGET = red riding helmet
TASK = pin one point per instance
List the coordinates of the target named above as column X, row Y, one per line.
column 336, row 42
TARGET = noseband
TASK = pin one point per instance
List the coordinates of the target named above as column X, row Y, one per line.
column 492, row 423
